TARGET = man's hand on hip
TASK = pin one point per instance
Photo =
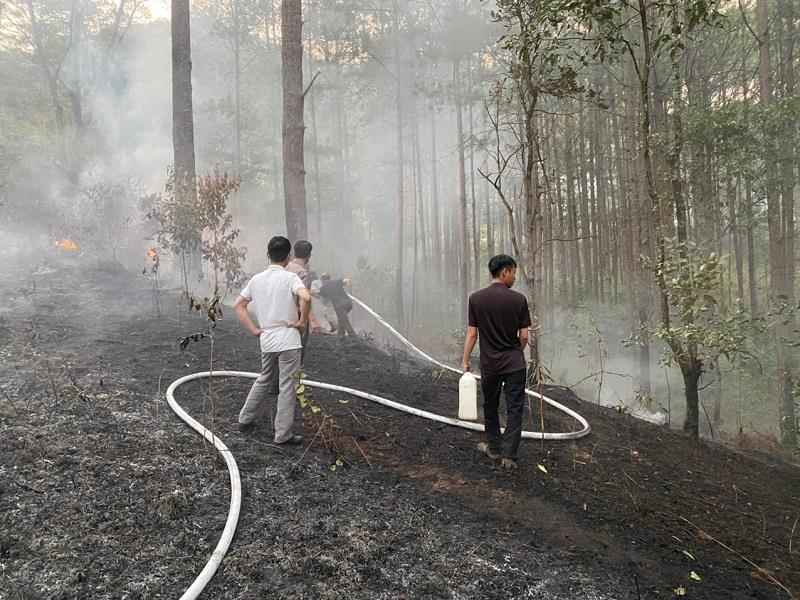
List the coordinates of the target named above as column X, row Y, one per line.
column 299, row 325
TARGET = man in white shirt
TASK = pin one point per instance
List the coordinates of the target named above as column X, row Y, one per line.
column 274, row 294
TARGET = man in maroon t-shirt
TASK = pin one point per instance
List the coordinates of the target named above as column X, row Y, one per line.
column 499, row 316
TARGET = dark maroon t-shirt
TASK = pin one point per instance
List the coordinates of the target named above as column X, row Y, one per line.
column 499, row 313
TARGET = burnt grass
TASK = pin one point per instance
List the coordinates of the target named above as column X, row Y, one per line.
column 104, row 493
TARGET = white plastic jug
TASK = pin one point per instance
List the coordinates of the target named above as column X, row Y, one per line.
column 468, row 397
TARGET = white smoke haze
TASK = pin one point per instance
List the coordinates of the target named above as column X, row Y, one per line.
column 351, row 174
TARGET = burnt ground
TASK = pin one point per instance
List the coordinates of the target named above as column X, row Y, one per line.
column 104, row 493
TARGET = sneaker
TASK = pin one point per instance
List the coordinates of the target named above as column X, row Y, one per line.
column 484, row 447
column 247, row 427
column 294, row 440
column 509, row 465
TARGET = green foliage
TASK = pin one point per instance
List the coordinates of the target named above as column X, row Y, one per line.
column 702, row 332
column 179, row 225
column 199, row 223
column 218, row 237
column 549, row 41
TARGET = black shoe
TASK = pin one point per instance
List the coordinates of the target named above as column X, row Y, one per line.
column 247, row 427
column 294, row 440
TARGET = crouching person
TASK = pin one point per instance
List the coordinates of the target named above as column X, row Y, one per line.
column 336, row 291
column 274, row 294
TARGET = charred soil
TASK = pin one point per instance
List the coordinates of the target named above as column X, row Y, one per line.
column 106, row 494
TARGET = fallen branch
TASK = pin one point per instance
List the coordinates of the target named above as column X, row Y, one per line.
column 25, row 486
column 461, row 564
column 14, row 406
column 760, row 570
column 369, row 463
column 311, row 443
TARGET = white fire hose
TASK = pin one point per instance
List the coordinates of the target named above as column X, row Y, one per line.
column 236, row 484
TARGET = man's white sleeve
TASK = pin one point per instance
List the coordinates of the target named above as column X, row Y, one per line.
column 297, row 284
column 246, row 293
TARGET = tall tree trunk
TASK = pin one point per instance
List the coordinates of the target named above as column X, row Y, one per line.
column 294, row 172
column 75, row 90
column 777, row 242
column 691, row 378
column 315, row 159
column 463, row 240
column 182, row 115
column 734, row 208
column 420, row 201
column 532, row 204
column 50, row 81
column 563, row 255
column 489, row 223
column 637, row 222
column 788, row 162
column 585, row 222
column 400, row 207
column 237, row 76
column 751, row 250
column 576, row 279
column 476, row 238
column 437, row 228
column 600, row 252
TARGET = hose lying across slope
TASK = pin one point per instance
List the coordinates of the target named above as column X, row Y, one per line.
column 236, row 485
column 536, row 435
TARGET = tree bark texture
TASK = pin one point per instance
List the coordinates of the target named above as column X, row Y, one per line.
column 182, row 114
column 294, row 172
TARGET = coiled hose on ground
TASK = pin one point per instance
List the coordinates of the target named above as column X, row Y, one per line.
column 236, row 485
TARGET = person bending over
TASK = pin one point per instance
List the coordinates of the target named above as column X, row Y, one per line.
column 327, row 307
column 499, row 317
column 274, row 294
column 336, row 291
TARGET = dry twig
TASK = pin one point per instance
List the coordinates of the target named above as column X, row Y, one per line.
column 461, row 564
column 760, row 570
column 10, row 401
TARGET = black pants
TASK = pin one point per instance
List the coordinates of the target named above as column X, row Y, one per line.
column 343, row 316
column 304, row 342
column 513, row 384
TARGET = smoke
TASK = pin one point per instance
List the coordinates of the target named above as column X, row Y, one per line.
column 352, row 167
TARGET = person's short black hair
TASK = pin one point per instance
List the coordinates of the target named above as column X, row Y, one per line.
column 278, row 249
column 500, row 262
column 302, row 249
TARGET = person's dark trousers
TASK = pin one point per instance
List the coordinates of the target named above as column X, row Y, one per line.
column 513, row 384
column 304, row 341
column 342, row 315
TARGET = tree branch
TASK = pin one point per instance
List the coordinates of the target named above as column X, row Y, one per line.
column 310, row 83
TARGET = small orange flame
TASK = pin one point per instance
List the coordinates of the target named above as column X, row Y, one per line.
column 152, row 254
column 67, row 245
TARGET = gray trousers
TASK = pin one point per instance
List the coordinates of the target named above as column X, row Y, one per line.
column 276, row 379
